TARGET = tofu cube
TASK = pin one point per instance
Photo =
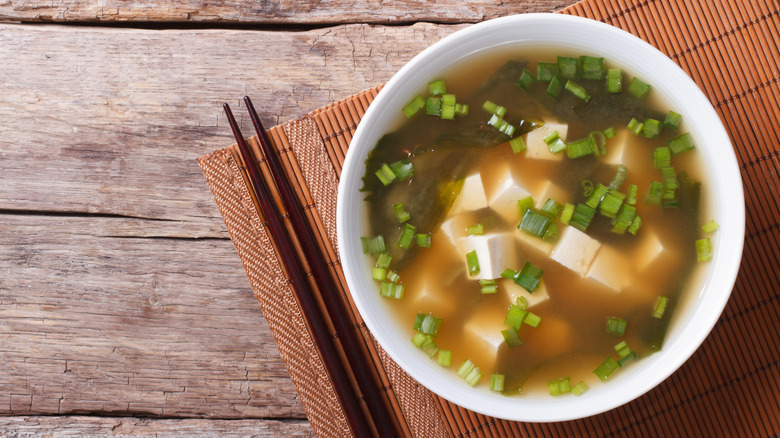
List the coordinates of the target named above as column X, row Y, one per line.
column 648, row 250
column 503, row 199
column 575, row 250
column 611, row 268
column 482, row 333
column 495, row 253
column 528, row 244
column 454, row 228
column 511, row 290
column 537, row 148
column 616, row 148
column 550, row 190
column 472, row 196
column 424, row 299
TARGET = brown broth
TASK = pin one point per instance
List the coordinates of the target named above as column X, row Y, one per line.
column 571, row 340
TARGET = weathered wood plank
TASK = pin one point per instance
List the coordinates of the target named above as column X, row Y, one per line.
column 308, row 12
column 119, row 427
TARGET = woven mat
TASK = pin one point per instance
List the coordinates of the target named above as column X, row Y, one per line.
column 729, row 387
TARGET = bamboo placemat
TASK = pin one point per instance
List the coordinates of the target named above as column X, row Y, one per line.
column 729, row 387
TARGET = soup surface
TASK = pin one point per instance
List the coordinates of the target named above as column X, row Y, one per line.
column 598, row 294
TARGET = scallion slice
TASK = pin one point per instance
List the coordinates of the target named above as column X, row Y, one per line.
column 555, row 87
column 470, row 372
column 407, row 236
column 392, row 276
column 622, row 349
column 577, row 90
column 437, row 87
column 624, row 219
column 568, row 210
column 638, row 89
column 545, row 71
column 378, row 273
column 532, row 319
column 610, row 132
column 619, row 177
column 568, row 67
column 383, row 261
column 582, row 147
column 579, row 388
column 517, row 144
column 592, row 67
column 502, row 125
column 373, row 245
column 606, row 368
column 385, row 174
column 651, row 128
column 614, row 80
column 551, row 208
column 403, row 169
column 534, row 223
column 494, row 109
column 635, row 126
column 497, row 382
column 554, row 142
column 475, row 230
column 488, row 286
column 660, row 307
column 582, row 216
column 710, row 226
column 444, row 358
column 424, row 240
column 426, row 343
column 670, row 178
column 400, row 212
column 511, row 337
column 662, row 157
column 428, row 324
column 680, row 144
column 627, row 358
column 559, row 386
column 514, row 317
column 461, row 109
column 655, row 193
column 526, row 80
column 616, row 325
column 635, row 225
column 433, row 105
column 633, row 189
column 597, row 195
column 414, row 106
column 524, row 205
column 611, row 203
column 473, row 263
column 529, row 277
column 703, row 249
column 672, row 120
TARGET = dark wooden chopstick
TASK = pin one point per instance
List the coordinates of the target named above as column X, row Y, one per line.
column 334, row 302
column 292, row 265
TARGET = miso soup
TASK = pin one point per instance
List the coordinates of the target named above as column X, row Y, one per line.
column 535, row 231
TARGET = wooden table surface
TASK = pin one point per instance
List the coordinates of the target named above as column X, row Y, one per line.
column 124, row 308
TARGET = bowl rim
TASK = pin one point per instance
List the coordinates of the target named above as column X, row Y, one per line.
column 721, row 274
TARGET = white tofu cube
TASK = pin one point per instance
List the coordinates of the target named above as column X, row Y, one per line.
column 424, row 299
column 454, row 228
column 532, row 244
column 495, row 252
column 648, row 250
column 483, row 335
column 537, row 148
column 575, row 250
column 511, row 290
column 611, row 268
column 550, row 190
column 472, row 196
column 503, row 199
column 616, row 148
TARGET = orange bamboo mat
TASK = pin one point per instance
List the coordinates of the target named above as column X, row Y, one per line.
column 729, row 387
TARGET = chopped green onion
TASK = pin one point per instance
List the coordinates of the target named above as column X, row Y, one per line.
column 534, row 223
column 662, row 157
column 551, row 232
column 425, row 343
column 670, row 178
column 502, row 125
column 624, row 219
column 488, row 286
column 378, row 273
column 414, row 106
column 619, row 177
column 465, row 368
column 610, row 132
column 651, row 128
column 632, row 192
column 514, row 317
column 554, row 142
column 703, row 249
column 428, row 324
column 373, row 245
column 582, row 147
column 635, row 126
column 475, row 230
column 638, row 89
column 526, row 80
column 567, row 67
column 611, row 203
column 517, row 144
column 392, row 276
column 616, row 326
column 470, row 372
column 391, row 290
column 400, row 212
column 592, row 67
column 447, row 112
column 403, row 169
column 444, row 358
column 710, row 226
column 407, row 235
column 497, row 382
column 560, row 386
column 579, row 388
column 680, row 144
column 606, row 368
column 461, row 109
column 627, row 358
column 494, row 109
column 532, row 319
column 437, row 88
column 524, row 205
column 511, row 337
column 587, row 186
column 383, row 261
column 545, row 71
column 654, row 193
column 568, row 210
column 635, row 224
column 529, row 277
column 473, row 263
column 622, row 349
column 597, row 195
column 660, row 307
column 555, row 87
column 386, row 174
column 614, row 80
column 509, row 273
column 424, row 240
column 577, row 90
column 582, row 217
column 599, row 141
column 448, row 100
column 433, row 106
column 672, row 120
column 551, row 208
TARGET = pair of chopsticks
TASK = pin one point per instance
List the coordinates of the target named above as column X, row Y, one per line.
column 378, row 415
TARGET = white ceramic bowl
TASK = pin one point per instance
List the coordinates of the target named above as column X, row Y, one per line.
column 692, row 322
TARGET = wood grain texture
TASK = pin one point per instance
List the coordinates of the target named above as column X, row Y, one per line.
column 307, row 12
column 118, row 427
